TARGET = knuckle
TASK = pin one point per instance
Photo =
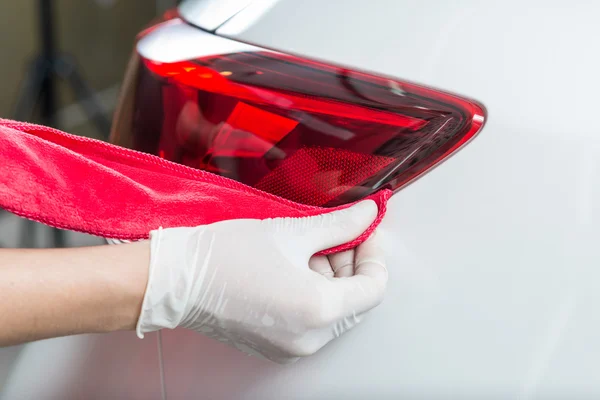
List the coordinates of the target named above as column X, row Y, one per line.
column 299, row 351
column 304, row 348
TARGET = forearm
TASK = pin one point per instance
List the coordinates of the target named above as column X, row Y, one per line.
column 57, row 292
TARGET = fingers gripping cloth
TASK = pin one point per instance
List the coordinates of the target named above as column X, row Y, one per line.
column 86, row 185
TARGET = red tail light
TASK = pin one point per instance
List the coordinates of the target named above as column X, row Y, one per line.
column 307, row 131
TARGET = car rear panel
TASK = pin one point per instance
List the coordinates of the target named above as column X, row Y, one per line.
column 493, row 268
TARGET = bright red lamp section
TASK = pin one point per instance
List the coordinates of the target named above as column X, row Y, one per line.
column 307, row 131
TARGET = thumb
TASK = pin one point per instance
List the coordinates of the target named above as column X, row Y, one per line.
column 324, row 231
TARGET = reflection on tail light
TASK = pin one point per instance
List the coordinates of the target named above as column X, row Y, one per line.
column 304, row 130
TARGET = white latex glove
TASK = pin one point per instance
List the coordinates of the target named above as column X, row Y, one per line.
column 249, row 283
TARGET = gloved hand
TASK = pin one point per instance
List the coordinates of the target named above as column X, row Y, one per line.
column 256, row 285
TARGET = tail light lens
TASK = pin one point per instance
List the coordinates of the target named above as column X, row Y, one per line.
column 307, row 131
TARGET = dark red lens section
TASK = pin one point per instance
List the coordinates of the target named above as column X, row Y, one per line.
column 310, row 132
column 317, row 175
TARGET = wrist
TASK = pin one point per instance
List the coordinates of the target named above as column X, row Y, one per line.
column 128, row 277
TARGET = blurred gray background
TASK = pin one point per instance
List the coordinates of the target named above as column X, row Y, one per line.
column 99, row 34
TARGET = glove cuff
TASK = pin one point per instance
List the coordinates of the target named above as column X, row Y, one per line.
column 163, row 305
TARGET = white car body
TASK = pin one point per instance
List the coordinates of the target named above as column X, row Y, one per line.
column 493, row 261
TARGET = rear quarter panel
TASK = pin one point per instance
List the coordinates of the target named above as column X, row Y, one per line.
column 492, row 256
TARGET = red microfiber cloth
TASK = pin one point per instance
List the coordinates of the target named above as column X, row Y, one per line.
column 90, row 186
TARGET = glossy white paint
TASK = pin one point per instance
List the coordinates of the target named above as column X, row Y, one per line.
column 210, row 14
column 493, row 263
column 176, row 41
column 115, row 366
